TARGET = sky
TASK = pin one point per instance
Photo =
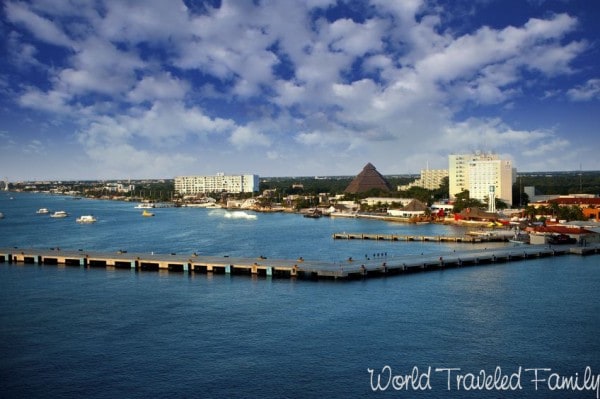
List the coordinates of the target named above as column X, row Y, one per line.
column 99, row 89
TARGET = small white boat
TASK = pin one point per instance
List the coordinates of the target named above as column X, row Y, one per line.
column 86, row 219
column 145, row 206
column 59, row 214
column 42, row 211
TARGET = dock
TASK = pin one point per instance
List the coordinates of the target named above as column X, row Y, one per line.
column 378, row 266
column 408, row 238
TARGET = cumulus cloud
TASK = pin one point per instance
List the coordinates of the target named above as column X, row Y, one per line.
column 395, row 80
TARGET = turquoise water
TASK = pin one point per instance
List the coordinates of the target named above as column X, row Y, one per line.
column 73, row 332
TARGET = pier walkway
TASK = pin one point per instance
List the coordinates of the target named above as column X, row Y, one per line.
column 299, row 268
column 439, row 238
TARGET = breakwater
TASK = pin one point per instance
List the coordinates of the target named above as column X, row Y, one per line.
column 376, row 266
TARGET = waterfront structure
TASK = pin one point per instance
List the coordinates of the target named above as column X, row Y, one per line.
column 288, row 268
column 430, row 179
column 219, row 183
column 369, row 178
column 588, row 203
column 478, row 172
column 414, row 209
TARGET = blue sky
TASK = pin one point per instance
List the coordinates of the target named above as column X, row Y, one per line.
column 160, row 88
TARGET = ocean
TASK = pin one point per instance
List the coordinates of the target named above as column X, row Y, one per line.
column 512, row 330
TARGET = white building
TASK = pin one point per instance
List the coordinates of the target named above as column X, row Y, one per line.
column 119, row 187
column 431, row 179
column 478, row 173
column 189, row 185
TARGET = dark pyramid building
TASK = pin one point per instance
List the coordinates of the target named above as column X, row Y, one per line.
column 367, row 180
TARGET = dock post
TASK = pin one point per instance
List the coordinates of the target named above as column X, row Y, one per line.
column 228, row 269
column 133, row 264
column 81, row 262
column 186, row 267
column 269, row 271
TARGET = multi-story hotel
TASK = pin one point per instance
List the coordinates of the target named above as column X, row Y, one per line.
column 481, row 174
column 431, row 179
column 190, row 185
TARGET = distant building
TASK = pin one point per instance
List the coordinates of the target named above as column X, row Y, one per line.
column 481, row 174
column 369, row 178
column 119, row 187
column 431, row 179
column 219, row 183
column 414, row 208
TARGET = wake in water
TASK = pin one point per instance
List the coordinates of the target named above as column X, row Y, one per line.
column 233, row 215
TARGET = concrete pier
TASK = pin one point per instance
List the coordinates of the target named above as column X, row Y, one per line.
column 281, row 268
column 441, row 238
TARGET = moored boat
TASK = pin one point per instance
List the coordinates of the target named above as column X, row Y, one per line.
column 42, row 211
column 59, row 214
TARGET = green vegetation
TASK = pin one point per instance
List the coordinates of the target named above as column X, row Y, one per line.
column 308, row 189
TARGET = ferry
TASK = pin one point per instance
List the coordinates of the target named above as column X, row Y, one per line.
column 86, row 219
column 59, row 214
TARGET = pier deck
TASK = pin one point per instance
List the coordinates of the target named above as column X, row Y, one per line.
column 299, row 268
column 439, row 238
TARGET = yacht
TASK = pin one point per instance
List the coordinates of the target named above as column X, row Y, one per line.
column 59, row 214
column 86, row 219
column 42, row 211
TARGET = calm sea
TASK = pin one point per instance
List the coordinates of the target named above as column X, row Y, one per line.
column 70, row 332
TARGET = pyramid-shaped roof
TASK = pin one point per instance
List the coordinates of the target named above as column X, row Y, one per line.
column 366, row 180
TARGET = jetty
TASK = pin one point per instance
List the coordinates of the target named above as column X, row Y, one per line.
column 468, row 238
column 377, row 266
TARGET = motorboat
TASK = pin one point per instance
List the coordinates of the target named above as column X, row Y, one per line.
column 42, row 211
column 146, row 213
column 86, row 219
column 59, row 214
column 145, row 205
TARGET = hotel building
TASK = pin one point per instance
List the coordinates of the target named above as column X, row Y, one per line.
column 483, row 175
column 431, row 179
column 219, row 183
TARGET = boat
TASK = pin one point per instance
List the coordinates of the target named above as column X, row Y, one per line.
column 59, row 214
column 1, row 215
column 520, row 239
column 145, row 206
column 42, row 211
column 86, row 219
column 314, row 214
column 147, row 213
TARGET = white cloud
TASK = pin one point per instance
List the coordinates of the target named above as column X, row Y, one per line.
column 153, row 76
column 590, row 90
column 247, row 136
column 160, row 87
column 44, row 29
